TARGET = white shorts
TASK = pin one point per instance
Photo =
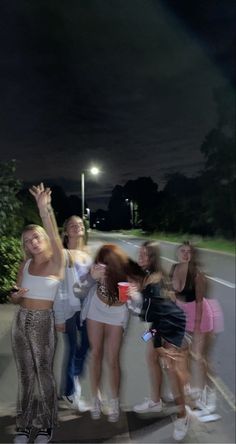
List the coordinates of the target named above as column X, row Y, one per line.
column 108, row 314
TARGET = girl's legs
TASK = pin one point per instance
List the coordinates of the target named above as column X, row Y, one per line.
column 43, row 341
column 201, row 348
column 25, row 369
column 71, row 340
column 155, row 371
column 83, row 348
column 113, row 338
column 77, row 352
column 184, row 364
column 113, row 341
column 96, row 339
column 201, row 352
column 173, row 359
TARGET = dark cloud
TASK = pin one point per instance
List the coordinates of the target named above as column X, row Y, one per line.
column 124, row 84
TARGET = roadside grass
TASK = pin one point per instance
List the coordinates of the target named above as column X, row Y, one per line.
column 212, row 243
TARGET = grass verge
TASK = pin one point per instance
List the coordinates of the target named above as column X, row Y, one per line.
column 212, row 243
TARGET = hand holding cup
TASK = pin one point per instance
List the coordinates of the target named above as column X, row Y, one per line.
column 123, row 289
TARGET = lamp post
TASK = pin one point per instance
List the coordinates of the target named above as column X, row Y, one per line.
column 132, row 213
column 131, row 204
column 88, row 216
column 82, row 195
column 94, row 171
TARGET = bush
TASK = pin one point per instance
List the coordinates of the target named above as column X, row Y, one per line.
column 10, row 206
column 10, row 257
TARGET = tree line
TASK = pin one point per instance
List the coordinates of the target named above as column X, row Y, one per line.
column 203, row 205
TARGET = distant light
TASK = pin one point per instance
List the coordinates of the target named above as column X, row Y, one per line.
column 94, row 171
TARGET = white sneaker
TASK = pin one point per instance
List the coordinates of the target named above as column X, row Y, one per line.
column 206, row 404
column 209, row 418
column 192, row 392
column 148, row 406
column 211, row 400
column 181, row 426
column 114, row 411
column 83, row 406
column 76, row 403
column 95, row 410
column 70, row 401
column 43, row 436
column 22, row 436
column 168, row 396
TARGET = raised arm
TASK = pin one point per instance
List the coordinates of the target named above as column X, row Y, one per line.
column 43, row 199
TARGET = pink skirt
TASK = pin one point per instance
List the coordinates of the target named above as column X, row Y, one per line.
column 212, row 316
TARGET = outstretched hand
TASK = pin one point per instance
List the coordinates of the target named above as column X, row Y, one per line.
column 42, row 195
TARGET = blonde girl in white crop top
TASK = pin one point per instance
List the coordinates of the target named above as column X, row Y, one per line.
column 33, row 328
column 39, row 275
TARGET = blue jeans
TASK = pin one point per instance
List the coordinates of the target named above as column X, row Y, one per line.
column 77, row 351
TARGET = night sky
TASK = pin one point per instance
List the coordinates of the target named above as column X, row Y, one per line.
column 123, row 84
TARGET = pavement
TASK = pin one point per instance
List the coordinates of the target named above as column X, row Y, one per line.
column 75, row 427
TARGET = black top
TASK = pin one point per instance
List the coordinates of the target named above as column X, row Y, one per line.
column 166, row 317
column 188, row 294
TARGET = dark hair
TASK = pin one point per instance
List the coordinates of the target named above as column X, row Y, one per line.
column 154, row 264
column 154, row 256
column 116, row 261
column 134, row 271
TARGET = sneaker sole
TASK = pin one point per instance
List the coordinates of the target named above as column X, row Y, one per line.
column 95, row 416
column 112, row 419
column 209, row 418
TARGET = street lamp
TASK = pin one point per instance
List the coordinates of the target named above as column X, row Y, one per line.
column 94, row 170
column 131, row 211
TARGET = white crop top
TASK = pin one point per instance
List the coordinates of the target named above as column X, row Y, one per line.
column 39, row 287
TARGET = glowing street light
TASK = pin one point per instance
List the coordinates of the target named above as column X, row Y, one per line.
column 94, row 171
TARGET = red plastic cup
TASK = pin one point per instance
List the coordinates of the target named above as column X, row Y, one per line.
column 123, row 288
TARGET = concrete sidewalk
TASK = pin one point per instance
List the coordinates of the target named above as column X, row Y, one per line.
column 74, row 427
column 80, row 428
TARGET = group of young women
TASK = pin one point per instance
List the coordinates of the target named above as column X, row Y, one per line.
column 65, row 287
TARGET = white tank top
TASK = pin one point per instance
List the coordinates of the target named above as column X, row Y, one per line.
column 39, row 287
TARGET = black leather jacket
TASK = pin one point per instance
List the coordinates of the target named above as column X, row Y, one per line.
column 166, row 317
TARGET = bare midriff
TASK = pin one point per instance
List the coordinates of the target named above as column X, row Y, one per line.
column 36, row 304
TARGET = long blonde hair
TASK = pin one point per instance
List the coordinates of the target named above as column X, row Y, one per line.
column 37, row 229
